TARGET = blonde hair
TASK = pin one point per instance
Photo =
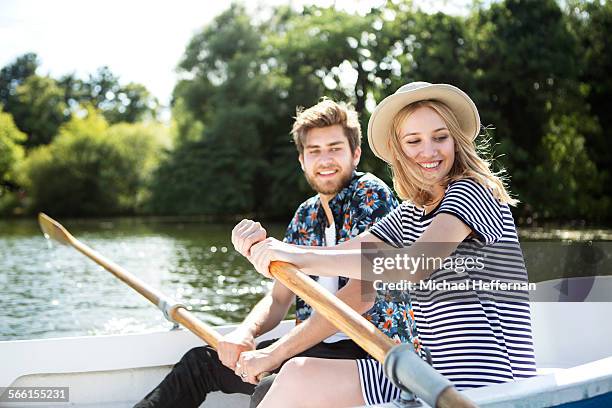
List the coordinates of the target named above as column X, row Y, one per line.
column 409, row 182
column 323, row 114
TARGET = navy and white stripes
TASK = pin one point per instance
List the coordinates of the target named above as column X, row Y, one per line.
column 376, row 388
column 476, row 338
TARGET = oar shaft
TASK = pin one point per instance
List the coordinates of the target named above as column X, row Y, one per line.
column 334, row 310
column 172, row 310
column 178, row 314
column 185, row 318
column 135, row 283
column 451, row 398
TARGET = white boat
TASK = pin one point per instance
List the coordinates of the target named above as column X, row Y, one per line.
column 572, row 342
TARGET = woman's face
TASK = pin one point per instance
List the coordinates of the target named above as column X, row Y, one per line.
column 427, row 142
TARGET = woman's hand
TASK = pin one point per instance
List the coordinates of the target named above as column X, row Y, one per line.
column 253, row 363
column 268, row 250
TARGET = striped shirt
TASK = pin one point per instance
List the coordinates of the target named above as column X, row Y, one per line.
column 476, row 337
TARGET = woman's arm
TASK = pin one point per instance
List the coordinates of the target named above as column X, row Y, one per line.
column 443, row 236
column 353, row 243
column 340, row 260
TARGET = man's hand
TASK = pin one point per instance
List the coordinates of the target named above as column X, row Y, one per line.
column 245, row 234
column 253, row 363
column 234, row 343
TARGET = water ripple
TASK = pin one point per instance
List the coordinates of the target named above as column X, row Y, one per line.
column 48, row 290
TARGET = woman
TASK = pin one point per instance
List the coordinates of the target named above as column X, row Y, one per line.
column 451, row 198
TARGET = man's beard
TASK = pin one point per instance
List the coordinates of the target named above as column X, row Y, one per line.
column 330, row 187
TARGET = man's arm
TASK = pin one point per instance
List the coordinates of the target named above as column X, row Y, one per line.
column 269, row 311
column 305, row 335
column 264, row 316
column 317, row 328
column 380, row 202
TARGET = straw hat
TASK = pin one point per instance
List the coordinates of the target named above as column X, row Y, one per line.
column 379, row 126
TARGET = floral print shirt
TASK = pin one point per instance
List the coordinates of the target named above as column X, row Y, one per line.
column 365, row 201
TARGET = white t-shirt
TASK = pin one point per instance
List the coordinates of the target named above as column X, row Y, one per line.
column 331, row 282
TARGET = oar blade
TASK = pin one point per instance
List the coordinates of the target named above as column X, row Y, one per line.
column 54, row 230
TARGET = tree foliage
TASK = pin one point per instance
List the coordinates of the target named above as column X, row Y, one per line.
column 538, row 73
column 15, row 73
column 537, row 70
column 11, row 151
column 39, row 109
column 118, row 103
column 592, row 23
column 41, row 104
column 93, row 168
column 222, row 165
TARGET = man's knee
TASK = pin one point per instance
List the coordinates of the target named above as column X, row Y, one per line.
column 197, row 353
column 196, row 364
column 261, row 390
column 188, row 382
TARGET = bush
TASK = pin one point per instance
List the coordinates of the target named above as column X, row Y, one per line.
column 11, row 155
column 567, row 183
column 11, row 151
column 92, row 168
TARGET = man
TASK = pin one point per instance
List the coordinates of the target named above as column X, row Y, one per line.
column 328, row 138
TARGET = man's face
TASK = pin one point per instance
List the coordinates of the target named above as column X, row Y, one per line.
column 327, row 160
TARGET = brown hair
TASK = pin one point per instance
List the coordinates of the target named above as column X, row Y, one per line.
column 323, row 114
column 407, row 179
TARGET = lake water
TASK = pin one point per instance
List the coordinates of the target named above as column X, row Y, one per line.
column 48, row 290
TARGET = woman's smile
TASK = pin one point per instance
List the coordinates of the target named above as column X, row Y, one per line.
column 431, row 166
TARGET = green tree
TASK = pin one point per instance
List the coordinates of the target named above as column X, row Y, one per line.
column 526, row 65
column 38, row 109
column 592, row 23
column 15, row 73
column 35, row 102
column 11, row 151
column 141, row 145
column 133, row 103
column 526, row 77
column 92, row 168
column 574, row 186
column 245, row 83
column 118, row 103
column 226, row 93
column 318, row 52
column 520, row 60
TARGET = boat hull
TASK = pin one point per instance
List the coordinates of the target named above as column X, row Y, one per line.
column 105, row 371
column 571, row 342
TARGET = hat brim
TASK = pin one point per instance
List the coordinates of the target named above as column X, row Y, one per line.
column 379, row 126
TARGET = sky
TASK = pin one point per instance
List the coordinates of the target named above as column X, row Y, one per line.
column 140, row 41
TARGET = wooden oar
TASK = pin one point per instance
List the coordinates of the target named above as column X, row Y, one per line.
column 337, row 312
column 173, row 311
column 355, row 326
